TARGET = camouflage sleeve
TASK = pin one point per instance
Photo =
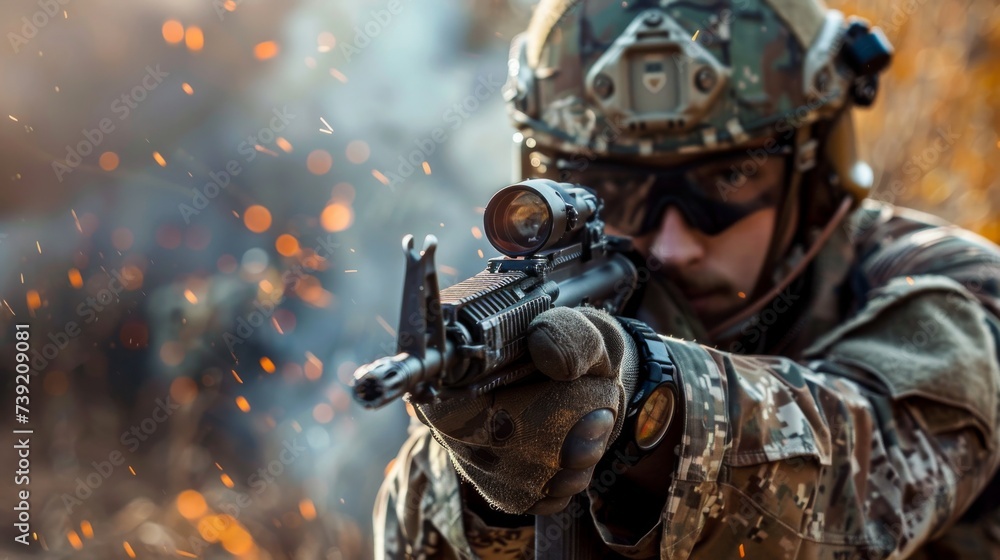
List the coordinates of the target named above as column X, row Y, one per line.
column 873, row 446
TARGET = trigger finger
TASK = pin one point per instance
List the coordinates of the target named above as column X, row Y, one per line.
column 563, row 344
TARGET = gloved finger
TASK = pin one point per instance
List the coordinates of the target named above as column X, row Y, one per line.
column 569, row 482
column 548, row 506
column 586, row 440
column 564, row 344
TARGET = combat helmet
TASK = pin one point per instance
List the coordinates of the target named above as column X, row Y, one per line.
column 667, row 82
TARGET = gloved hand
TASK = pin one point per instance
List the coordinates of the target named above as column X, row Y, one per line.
column 530, row 447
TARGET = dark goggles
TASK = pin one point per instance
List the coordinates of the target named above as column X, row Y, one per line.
column 712, row 195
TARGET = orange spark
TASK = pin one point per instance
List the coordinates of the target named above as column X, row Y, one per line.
column 194, row 38
column 242, row 403
column 173, row 31
column 87, row 529
column 307, row 509
column 265, row 50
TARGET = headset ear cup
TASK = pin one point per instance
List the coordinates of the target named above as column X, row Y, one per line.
column 855, row 176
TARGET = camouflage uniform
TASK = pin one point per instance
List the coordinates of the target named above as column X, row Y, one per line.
column 868, row 436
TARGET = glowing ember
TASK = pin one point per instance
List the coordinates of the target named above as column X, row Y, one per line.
column 194, row 38
column 183, row 390
column 286, row 245
column 189, row 295
column 242, row 403
column 257, row 218
column 173, row 31
column 267, row 364
column 108, row 161
column 319, row 162
column 159, row 159
column 307, row 509
column 128, row 549
column 187, row 88
column 191, row 504
column 265, row 50
column 34, row 300
column 381, row 178
column 336, row 217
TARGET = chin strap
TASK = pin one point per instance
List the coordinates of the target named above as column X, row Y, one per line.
column 800, row 267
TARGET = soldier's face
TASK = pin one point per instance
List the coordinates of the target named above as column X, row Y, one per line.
column 717, row 273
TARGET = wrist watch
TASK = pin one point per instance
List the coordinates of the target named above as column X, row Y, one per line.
column 656, row 399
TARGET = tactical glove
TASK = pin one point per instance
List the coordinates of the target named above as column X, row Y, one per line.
column 529, row 448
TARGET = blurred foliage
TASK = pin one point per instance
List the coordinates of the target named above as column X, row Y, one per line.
column 932, row 136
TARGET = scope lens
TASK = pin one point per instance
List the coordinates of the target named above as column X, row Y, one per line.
column 521, row 222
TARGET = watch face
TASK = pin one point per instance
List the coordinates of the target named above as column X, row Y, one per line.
column 654, row 417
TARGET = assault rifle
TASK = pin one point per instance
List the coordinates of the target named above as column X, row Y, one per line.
column 470, row 338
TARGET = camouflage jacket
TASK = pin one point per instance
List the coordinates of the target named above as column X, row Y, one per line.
column 870, row 435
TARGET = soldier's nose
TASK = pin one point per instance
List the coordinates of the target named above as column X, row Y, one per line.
column 675, row 243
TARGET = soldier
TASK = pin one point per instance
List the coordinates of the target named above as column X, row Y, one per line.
column 828, row 383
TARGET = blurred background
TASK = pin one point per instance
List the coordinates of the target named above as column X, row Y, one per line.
column 200, row 220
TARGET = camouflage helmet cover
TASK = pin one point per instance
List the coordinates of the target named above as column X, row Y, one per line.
column 666, row 79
